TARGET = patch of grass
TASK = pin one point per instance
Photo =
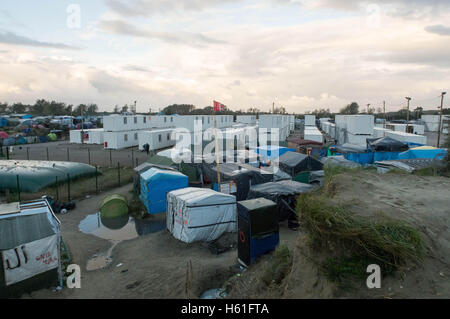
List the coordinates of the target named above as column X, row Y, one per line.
column 331, row 171
column 343, row 270
column 387, row 241
column 278, row 266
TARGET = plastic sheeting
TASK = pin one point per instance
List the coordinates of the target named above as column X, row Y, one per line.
column 387, row 144
column 339, row 161
column 282, row 193
column 35, row 175
column 243, row 177
column 293, row 163
column 199, row 214
column 155, row 183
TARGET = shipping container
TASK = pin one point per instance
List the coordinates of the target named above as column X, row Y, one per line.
column 156, row 139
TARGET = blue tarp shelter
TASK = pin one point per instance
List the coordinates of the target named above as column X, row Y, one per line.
column 437, row 153
column 155, row 184
column 271, row 152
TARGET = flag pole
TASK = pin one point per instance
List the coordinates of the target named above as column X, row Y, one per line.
column 217, row 148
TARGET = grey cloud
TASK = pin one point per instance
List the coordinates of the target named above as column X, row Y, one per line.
column 125, row 28
column 437, row 57
column 438, row 29
column 136, row 68
column 150, row 7
column 106, row 83
column 12, row 38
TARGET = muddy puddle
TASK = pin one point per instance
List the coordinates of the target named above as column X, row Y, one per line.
column 116, row 230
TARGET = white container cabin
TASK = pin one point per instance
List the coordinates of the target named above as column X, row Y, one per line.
column 156, row 139
column 120, row 140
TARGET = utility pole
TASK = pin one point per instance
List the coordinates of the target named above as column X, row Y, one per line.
column 273, row 107
column 82, row 124
column 384, row 112
column 407, row 114
column 440, row 119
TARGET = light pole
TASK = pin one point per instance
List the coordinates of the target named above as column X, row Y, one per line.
column 407, row 114
column 440, row 119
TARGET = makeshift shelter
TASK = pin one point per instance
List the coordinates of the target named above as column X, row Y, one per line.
column 199, row 214
column 339, row 160
column 155, row 184
column 283, row 193
column 31, row 176
column 138, row 170
column 29, row 248
column 295, row 163
column 4, row 135
column 272, row 152
column 164, row 158
column 386, row 144
column 243, row 176
column 52, row 137
column 437, row 153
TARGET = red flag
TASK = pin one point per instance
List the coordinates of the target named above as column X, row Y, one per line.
column 218, row 106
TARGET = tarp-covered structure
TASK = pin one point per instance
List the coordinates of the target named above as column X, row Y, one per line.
column 29, row 248
column 294, row 163
column 386, row 144
column 283, row 193
column 155, row 184
column 272, row 152
column 199, row 214
column 138, row 170
column 35, row 175
column 242, row 175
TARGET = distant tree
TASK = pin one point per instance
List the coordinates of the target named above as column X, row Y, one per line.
column 92, row 109
column 125, row 108
column 322, row 113
column 352, row 108
column 19, row 108
column 116, row 109
column 181, row 109
column 3, row 107
column 418, row 112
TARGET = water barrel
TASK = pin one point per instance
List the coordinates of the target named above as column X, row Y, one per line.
column 113, row 206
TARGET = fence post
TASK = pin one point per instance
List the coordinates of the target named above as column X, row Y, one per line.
column 110, row 158
column 96, row 180
column 89, row 156
column 132, row 158
column 57, row 191
column 68, row 187
column 7, row 152
column 48, row 158
column 18, row 187
column 28, row 153
column 118, row 172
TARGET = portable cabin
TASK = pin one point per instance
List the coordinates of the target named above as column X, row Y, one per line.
column 120, row 140
column 29, row 248
column 246, row 119
column 156, row 139
column 310, row 120
column 199, row 214
column 155, row 184
column 119, row 123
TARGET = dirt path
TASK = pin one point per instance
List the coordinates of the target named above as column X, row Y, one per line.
column 153, row 265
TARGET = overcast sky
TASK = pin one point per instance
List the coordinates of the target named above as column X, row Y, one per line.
column 300, row 54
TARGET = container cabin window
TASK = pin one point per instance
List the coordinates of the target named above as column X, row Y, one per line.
column 136, row 136
column 159, row 138
column 124, row 120
column 165, row 119
column 168, row 136
column 125, row 137
column 135, row 120
column 145, row 119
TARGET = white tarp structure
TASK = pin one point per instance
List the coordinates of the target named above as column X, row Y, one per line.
column 30, row 259
column 29, row 242
column 199, row 214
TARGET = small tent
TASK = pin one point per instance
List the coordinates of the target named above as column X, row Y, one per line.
column 200, row 214
column 294, row 163
column 155, row 184
column 283, row 193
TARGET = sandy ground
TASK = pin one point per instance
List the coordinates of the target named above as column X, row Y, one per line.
column 153, row 265
column 57, row 151
column 423, row 202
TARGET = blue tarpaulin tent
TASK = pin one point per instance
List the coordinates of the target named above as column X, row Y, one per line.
column 155, row 183
column 272, row 151
column 438, row 153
